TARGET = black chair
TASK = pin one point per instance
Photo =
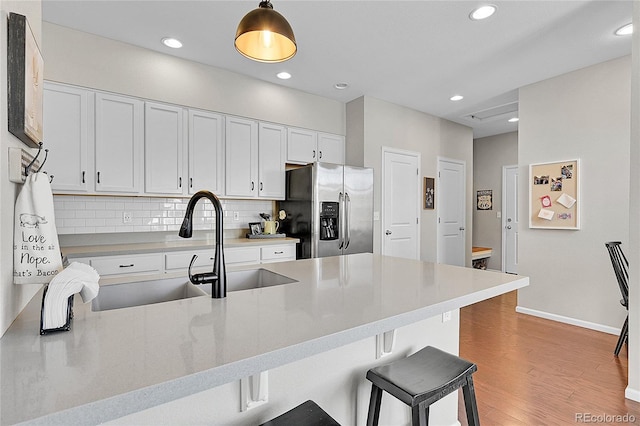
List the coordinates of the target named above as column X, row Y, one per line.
column 421, row 379
column 621, row 269
column 306, row 414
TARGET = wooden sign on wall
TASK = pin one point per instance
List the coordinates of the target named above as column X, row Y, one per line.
column 25, row 68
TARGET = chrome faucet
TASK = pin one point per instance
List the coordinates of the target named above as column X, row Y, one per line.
column 217, row 278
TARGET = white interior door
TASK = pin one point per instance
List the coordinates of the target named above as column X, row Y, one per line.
column 400, row 203
column 450, row 191
column 510, row 219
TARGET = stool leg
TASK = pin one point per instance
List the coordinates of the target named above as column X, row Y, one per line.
column 374, row 406
column 623, row 336
column 469, row 393
column 420, row 415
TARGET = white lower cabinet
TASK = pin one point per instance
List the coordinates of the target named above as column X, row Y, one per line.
column 127, row 264
column 281, row 253
column 177, row 261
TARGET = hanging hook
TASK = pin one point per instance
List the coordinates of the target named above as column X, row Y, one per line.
column 51, row 179
column 27, row 169
column 46, row 154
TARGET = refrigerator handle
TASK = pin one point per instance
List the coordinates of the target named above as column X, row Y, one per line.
column 347, row 217
column 340, row 221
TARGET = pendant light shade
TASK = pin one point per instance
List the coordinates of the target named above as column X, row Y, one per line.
column 265, row 35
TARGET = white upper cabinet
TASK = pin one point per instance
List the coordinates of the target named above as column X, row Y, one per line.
column 119, row 139
column 241, row 157
column 301, row 146
column 307, row 146
column 330, row 148
column 68, row 138
column 163, row 149
column 272, row 140
column 206, row 152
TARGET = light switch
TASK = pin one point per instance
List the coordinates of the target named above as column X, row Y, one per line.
column 376, row 215
column 498, row 215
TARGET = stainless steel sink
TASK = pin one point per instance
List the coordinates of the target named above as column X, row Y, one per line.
column 251, row 278
column 139, row 293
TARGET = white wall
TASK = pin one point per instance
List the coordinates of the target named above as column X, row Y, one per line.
column 583, row 114
column 490, row 154
column 377, row 123
column 88, row 60
column 633, row 387
column 13, row 298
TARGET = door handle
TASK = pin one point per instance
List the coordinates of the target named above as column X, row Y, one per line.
column 508, row 226
column 347, row 217
column 340, row 221
column 387, row 232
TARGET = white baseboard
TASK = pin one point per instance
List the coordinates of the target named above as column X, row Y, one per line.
column 568, row 320
column 632, row 394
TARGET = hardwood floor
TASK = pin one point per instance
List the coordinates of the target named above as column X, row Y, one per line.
column 533, row 371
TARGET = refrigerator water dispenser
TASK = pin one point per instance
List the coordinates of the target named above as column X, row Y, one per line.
column 329, row 220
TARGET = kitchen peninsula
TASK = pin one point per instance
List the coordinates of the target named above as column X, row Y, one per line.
column 185, row 358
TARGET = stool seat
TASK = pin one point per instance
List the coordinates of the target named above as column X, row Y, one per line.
column 421, row 379
column 306, row 414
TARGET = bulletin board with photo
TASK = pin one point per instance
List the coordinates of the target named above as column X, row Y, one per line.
column 554, row 201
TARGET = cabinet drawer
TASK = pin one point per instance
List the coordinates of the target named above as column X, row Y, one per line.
column 276, row 253
column 181, row 260
column 242, row 255
column 116, row 265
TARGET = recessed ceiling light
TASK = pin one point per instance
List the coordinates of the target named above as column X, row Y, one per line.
column 514, row 120
column 624, row 30
column 483, row 12
column 456, row 98
column 283, row 75
column 172, row 42
column 341, row 86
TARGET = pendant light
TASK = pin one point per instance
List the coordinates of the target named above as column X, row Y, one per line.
column 264, row 35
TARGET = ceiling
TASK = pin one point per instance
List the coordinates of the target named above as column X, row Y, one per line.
column 413, row 53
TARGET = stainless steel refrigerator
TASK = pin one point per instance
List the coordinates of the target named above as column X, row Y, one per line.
column 330, row 209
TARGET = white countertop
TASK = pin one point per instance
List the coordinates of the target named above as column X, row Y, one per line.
column 166, row 246
column 113, row 363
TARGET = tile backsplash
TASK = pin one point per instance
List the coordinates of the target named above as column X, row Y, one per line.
column 106, row 214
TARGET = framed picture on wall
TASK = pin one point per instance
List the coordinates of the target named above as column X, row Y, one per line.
column 25, row 79
column 429, row 193
column 554, row 195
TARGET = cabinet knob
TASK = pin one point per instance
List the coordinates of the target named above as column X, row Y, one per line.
column 180, row 182
column 98, row 177
column 314, row 154
column 83, row 172
column 319, row 154
column 252, row 185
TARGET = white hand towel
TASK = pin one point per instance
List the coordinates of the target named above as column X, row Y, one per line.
column 75, row 278
column 36, row 257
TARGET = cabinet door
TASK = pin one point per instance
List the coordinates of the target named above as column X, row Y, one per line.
column 66, row 135
column 241, row 155
column 206, row 161
column 119, row 142
column 163, row 145
column 330, row 148
column 301, row 146
column 271, row 148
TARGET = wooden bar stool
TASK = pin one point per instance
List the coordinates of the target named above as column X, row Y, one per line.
column 421, row 379
column 306, row 414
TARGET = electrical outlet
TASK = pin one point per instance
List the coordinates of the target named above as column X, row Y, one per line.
column 446, row 316
column 126, row 217
column 236, row 216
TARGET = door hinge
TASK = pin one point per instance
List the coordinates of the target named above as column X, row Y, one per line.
column 416, row 221
column 438, row 220
column 417, row 172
